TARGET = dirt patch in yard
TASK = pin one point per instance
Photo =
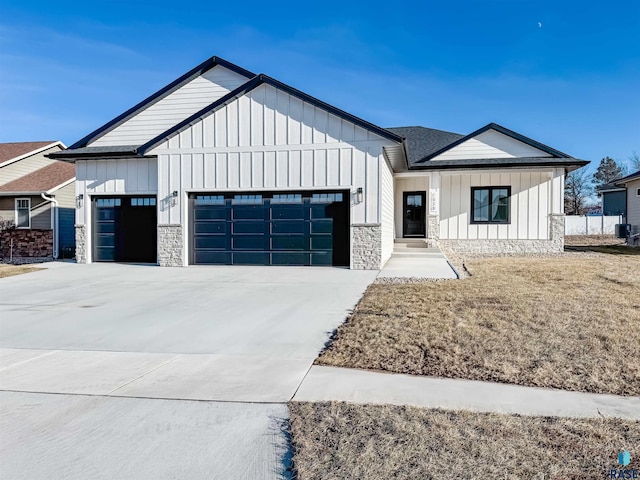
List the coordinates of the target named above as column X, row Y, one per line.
column 7, row 270
column 569, row 321
column 341, row 440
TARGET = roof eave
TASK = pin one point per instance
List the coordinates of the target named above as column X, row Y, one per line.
column 461, row 165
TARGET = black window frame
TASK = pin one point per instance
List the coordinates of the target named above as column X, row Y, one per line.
column 490, row 191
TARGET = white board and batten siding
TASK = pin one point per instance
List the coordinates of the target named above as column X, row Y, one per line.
column 491, row 144
column 386, row 210
column 269, row 140
column 134, row 176
column 172, row 109
column 535, row 195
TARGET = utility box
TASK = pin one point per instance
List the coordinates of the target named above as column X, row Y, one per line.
column 623, row 230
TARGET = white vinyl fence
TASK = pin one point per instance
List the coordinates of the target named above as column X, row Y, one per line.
column 591, row 224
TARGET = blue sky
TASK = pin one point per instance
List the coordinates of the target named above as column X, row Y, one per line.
column 566, row 73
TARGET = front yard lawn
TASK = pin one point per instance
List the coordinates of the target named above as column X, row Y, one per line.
column 342, row 440
column 570, row 321
column 7, row 270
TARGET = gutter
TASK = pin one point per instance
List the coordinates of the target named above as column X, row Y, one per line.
column 54, row 221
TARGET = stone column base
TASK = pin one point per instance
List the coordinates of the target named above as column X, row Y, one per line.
column 81, row 244
column 366, row 250
column 170, row 246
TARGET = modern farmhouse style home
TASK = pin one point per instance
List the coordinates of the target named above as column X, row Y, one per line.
column 223, row 166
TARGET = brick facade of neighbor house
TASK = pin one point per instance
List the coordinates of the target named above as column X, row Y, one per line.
column 26, row 243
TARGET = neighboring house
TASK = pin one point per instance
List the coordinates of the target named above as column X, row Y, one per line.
column 631, row 184
column 614, row 199
column 37, row 194
column 223, row 166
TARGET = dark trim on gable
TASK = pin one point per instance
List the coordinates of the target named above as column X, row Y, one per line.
column 628, row 178
column 505, row 131
column 160, row 94
column 246, row 88
column 501, row 163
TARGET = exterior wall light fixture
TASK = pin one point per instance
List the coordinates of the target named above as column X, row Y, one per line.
column 359, row 195
column 79, row 200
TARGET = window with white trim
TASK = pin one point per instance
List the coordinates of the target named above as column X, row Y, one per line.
column 23, row 213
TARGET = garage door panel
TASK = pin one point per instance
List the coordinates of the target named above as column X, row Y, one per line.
column 321, row 227
column 212, row 257
column 287, row 212
column 242, row 212
column 211, row 227
column 251, row 258
column 323, row 259
column 290, row 258
column 219, row 213
column 242, row 227
column 248, row 242
column 105, row 254
column 271, row 229
column 322, row 243
column 288, row 227
column 211, row 242
column 289, row 243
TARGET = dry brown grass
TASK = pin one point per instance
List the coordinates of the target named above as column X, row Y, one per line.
column 571, row 321
column 583, row 240
column 341, row 440
column 600, row 244
column 11, row 270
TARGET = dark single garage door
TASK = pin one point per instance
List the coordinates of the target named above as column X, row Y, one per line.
column 124, row 229
column 292, row 228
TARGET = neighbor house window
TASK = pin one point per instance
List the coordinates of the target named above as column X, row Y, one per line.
column 23, row 212
column 638, row 192
column 490, row 204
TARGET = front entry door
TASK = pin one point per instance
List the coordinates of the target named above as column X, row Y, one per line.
column 413, row 224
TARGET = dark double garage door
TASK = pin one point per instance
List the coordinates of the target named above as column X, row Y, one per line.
column 293, row 228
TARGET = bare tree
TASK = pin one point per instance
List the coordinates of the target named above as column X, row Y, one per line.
column 634, row 161
column 577, row 189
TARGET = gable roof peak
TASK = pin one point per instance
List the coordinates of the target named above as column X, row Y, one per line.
column 198, row 70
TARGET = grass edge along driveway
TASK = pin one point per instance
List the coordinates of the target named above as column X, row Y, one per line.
column 570, row 321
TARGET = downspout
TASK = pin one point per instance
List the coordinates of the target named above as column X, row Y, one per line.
column 54, row 221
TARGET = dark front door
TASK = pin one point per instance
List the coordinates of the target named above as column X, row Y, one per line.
column 124, row 229
column 270, row 228
column 413, row 224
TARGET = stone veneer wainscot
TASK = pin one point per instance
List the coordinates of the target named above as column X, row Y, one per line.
column 170, row 246
column 366, row 253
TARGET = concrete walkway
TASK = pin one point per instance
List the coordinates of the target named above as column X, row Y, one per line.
column 415, row 260
column 362, row 386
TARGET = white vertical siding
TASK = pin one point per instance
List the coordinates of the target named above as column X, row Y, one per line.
column 530, row 205
column 386, row 209
column 172, row 109
column 270, row 140
column 112, row 177
column 491, row 144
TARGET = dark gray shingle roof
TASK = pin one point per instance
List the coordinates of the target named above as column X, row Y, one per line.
column 422, row 142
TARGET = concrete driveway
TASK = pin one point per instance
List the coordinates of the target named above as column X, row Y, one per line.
column 219, row 334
